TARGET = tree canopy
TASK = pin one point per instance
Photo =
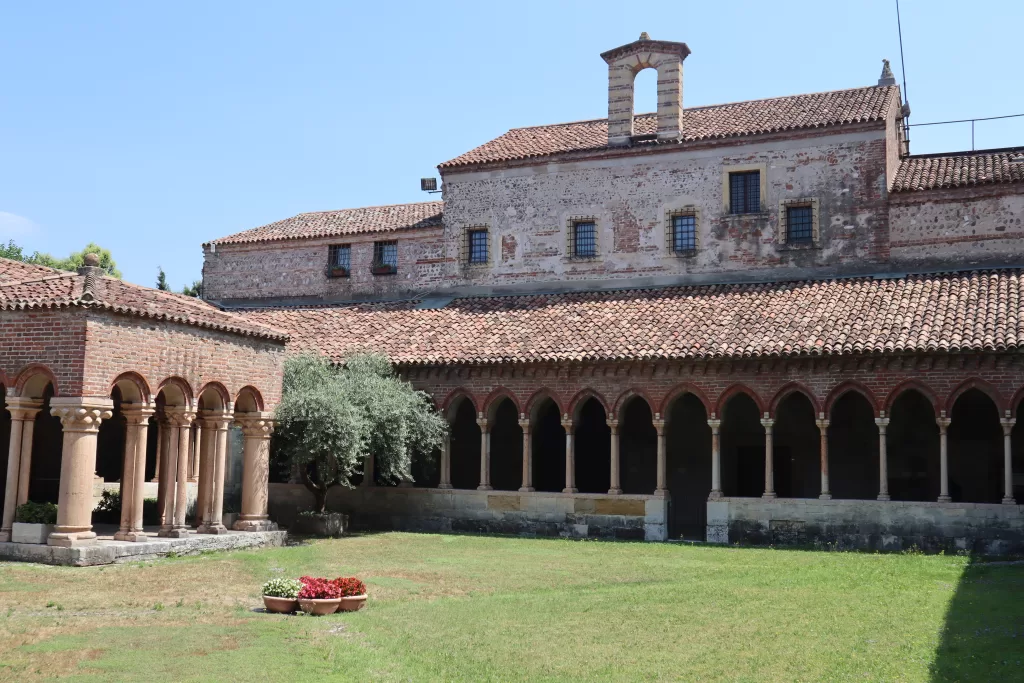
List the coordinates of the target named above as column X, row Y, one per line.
column 73, row 261
column 331, row 417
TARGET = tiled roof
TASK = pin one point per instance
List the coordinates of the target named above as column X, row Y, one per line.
column 22, row 289
column 343, row 222
column 965, row 169
column 738, row 119
column 972, row 311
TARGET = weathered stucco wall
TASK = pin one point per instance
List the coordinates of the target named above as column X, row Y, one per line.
column 965, row 226
column 298, row 268
column 868, row 524
column 528, row 210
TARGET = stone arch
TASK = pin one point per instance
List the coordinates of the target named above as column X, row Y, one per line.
column 975, row 446
column 536, row 400
column 249, row 400
column 581, row 397
column 982, row 386
column 494, row 399
column 32, row 381
column 453, row 400
column 680, row 390
column 627, row 397
column 133, row 386
column 789, row 388
column 845, row 387
column 215, row 396
column 734, row 389
column 176, row 392
column 916, row 385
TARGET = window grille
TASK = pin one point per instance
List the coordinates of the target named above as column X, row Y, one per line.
column 339, row 259
column 584, row 239
column 477, row 246
column 684, row 233
column 745, row 192
column 385, row 257
column 799, row 224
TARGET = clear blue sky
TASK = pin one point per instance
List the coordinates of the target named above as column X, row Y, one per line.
column 152, row 127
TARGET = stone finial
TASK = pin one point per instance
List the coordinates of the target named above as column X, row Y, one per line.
column 886, row 78
column 92, row 260
column 644, row 36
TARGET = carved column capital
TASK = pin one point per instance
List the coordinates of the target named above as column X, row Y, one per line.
column 882, row 423
column 137, row 414
column 567, row 423
column 24, row 409
column 180, row 416
column 255, row 425
column 613, row 425
column 525, row 424
column 218, row 420
column 767, row 423
column 943, row 423
column 715, row 424
column 822, row 425
column 659, row 426
column 81, row 414
column 482, row 423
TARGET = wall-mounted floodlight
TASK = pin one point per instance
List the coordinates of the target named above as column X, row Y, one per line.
column 429, row 185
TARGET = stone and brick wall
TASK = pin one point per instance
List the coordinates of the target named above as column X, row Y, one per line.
column 48, row 338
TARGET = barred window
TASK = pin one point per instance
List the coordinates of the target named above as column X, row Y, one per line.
column 584, row 239
column 799, row 224
column 385, row 257
column 477, row 246
column 339, row 259
column 745, row 192
column 684, row 233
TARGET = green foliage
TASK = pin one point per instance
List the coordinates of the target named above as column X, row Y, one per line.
column 282, row 588
column 108, row 510
column 330, row 418
column 73, row 262
column 161, row 280
column 36, row 513
column 11, row 251
column 195, row 289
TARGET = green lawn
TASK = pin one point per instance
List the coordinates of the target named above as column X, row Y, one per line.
column 484, row 608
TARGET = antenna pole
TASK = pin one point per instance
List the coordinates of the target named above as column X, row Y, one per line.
column 903, row 68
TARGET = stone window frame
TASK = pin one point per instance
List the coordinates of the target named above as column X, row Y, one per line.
column 570, row 233
column 782, row 231
column 376, row 265
column 464, row 246
column 334, row 270
column 670, row 242
column 727, row 170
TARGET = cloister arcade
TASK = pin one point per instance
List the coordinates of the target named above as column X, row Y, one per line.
column 912, row 445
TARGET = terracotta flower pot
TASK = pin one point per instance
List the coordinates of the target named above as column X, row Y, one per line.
column 320, row 607
column 352, row 603
column 280, row 605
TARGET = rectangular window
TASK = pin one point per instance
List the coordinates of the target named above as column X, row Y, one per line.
column 339, row 260
column 745, row 192
column 584, row 239
column 385, row 258
column 799, row 224
column 684, row 234
column 476, row 243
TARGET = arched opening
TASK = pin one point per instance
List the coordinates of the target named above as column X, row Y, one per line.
column 5, row 440
column 638, row 448
column 426, row 469
column 1017, row 455
column 688, row 466
column 47, row 445
column 506, row 447
column 592, row 444
column 547, row 447
column 974, row 442
column 796, row 448
column 912, row 448
column 110, row 442
column 742, row 448
column 853, row 448
column 465, row 447
column 645, row 93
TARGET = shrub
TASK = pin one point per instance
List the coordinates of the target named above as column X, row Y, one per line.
column 108, row 510
column 36, row 513
column 350, row 586
column 318, row 589
column 150, row 512
column 282, row 588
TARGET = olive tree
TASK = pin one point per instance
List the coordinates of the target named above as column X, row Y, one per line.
column 332, row 416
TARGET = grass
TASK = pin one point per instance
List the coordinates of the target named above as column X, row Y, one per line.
column 486, row 608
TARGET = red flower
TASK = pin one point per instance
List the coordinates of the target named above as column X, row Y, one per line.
column 318, row 589
column 350, row 586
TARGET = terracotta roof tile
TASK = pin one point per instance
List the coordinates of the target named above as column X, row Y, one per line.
column 22, row 289
column 699, row 123
column 343, row 222
column 963, row 169
column 972, row 311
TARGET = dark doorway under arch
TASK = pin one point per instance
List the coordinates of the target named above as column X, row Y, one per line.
column 638, row 448
column 912, row 449
column 688, row 466
column 110, row 442
column 5, row 441
column 796, row 448
column 465, row 447
column 47, row 445
column 506, row 448
column 853, row 449
column 592, row 442
column 974, row 442
column 742, row 446
column 547, row 447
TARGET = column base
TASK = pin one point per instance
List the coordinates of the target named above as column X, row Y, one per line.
column 715, row 495
column 661, row 493
column 254, row 525
column 5, row 536
column 1009, row 501
column 570, row 490
column 71, row 539
column 883, row 496
column 825, row 496
column 446, row 487
column 173, row 533
column 769, row 496
column 217, row 528
column 526, row 489
column 133, row 536
column 614, row 492
column 945, row 499
column 484, row 488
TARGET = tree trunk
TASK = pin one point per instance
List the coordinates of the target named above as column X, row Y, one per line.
column 319, row 492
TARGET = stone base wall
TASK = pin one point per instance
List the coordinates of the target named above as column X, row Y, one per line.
column 868, row 525
column 580, row 515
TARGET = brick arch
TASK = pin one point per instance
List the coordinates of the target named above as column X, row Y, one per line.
column 452, row 400
column 220, row 391
column 678, row 391
column 537, row 397
column 581, row 396
column 627, row 396
column 252, row 392
column 845, row 388
column 790, row 388
column 5, row 381
column 494, row 399
column 24, row 382
column 1015, row 401
column 982, row 386
column 137, row 381
column 915, row 385
column 734, row 389
column 181, row 385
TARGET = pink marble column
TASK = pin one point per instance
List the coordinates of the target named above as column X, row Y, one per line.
column 527, row 483
column 616, row 484
column 133, row 474
column 446, row 463
column 826, row 494
column 1008, row 423
column 19, row 458
column 883, row 460
column 217, row 434
column 716, row 458
column 769, row 461
column 661, row 487
column 256, row 428
column 485, row 454
column 570, row 457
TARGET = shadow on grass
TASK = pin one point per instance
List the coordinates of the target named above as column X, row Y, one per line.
column 983, row 635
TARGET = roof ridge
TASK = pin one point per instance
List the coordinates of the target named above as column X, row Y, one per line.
column 966, row 153
column 360, row 208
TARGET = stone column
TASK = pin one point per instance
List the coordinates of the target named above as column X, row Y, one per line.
column 616, row 481
column 185, row 420
column 213, row 516
column 195, row 443
column 160, row 436
column 133, row 474
column 174, row 461
column 822, row 423
column 19, row 458
column 1008, row 423
column 446, row 463
column 943, row 423
column 206, row 444
column 163, row 446
column 257, row 428
column 716, row 458
column 570, row 457
column 527, row 486
column 80, row 418
column 769, row 464
column 883, row 464
column 485, row 454
column 661, row 488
